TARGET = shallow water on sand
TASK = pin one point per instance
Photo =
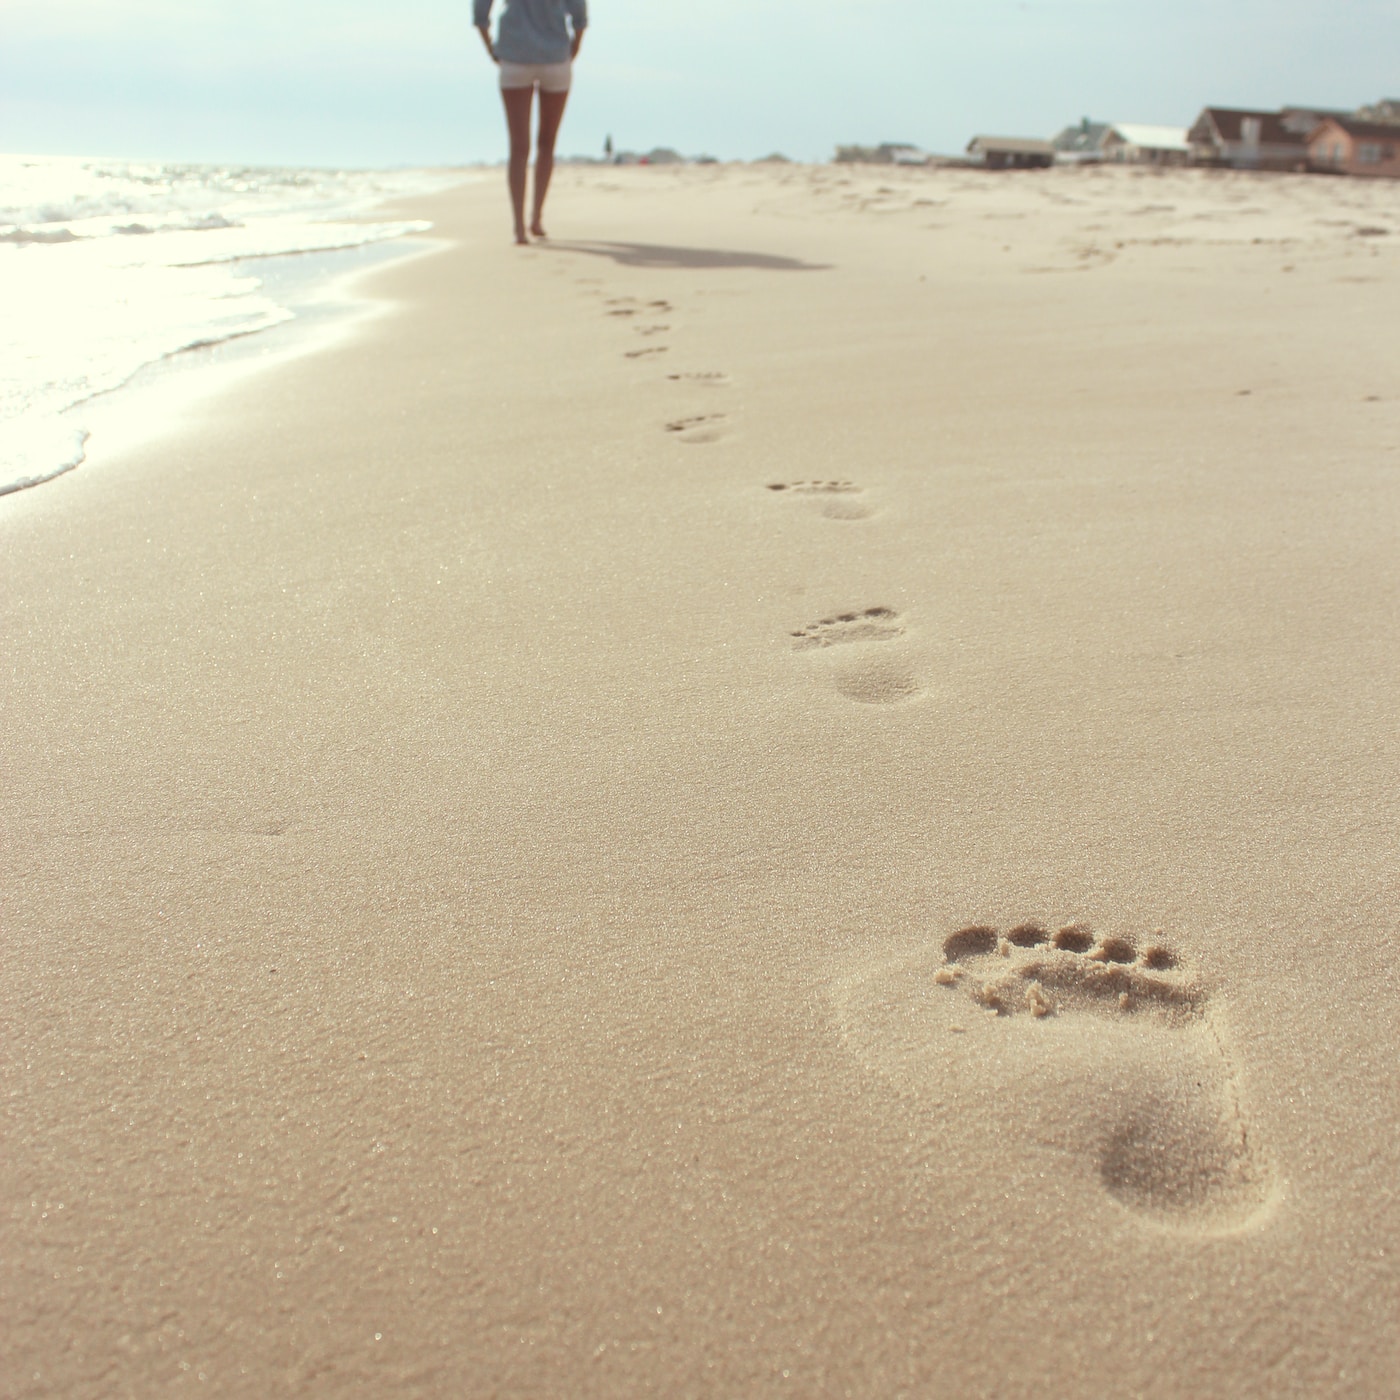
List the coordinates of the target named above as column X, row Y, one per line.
column 109, row 266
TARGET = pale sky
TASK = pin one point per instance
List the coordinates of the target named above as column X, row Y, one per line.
column 404, row 82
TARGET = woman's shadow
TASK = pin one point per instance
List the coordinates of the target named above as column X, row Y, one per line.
column 656, row 255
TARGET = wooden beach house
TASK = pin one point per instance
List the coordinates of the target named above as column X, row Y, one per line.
column 1247, row 140
column 1011, row 152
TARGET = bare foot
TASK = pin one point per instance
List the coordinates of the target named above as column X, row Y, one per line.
column 537, row 229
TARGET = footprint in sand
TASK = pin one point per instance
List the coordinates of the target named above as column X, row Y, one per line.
column 872, row 678
column 649, row 352
column 706, row 379
column 1102, row 1048
column 631, row 306
column 625, row 308
column 839, row 500
column 700, row 428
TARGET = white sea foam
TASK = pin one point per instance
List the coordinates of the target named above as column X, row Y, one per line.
column 108, row 266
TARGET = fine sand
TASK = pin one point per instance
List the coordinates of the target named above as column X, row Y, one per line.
column 794, row 793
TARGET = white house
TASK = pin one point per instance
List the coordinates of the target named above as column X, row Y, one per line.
column 1137, row 144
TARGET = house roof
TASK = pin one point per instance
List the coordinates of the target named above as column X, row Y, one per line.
column 1011, row 145
column 1229, row 123
column 1084, row 136
column 1156, row 138
column 1366, row 131
column 1387, row 109
column 1306, row 120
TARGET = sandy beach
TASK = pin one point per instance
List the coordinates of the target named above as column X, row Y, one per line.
column 794, row 792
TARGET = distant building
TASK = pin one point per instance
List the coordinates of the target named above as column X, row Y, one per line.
column 1247, row 140
column 1082, row 144
column 1306, row 120
column 1134, row 144
column 1011, row 152
column 1386, row 111
column 1351, row 147
column 886, row 153
column 662, row 155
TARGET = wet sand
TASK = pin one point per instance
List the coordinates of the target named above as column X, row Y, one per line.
column 794, row 792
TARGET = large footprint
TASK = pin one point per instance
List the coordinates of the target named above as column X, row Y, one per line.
column 1100, row 1047
column 872, row 677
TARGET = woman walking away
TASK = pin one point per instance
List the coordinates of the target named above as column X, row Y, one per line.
column 535, row 46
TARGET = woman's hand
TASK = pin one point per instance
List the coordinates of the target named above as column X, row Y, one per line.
column 486, row 39
column 574, row 47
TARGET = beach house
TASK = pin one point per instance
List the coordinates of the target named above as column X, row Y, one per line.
column 886, row 153
column 1247, row 140
column 1081, row 144
column 1346, row 146
column 1306, row 120
column 1011, row 152
column 1135, row 144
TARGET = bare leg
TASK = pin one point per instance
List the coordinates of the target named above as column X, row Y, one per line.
column 551, row 114
column 517, row 103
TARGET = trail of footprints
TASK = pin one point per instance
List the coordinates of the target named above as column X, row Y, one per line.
column 1148, row 1100
column 1101, row 1047
column 859, row 674
column 647, row 320
column 650, row 312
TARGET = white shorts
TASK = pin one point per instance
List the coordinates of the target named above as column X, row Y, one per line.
column 552, row 77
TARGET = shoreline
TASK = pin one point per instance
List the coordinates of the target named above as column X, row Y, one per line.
column 155, row 399
column 791, row 790
column 43, row 443
column 327, row 306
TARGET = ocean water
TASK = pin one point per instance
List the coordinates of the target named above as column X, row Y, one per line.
column 107, row 267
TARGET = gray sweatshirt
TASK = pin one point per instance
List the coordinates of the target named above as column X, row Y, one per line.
column 534, row 31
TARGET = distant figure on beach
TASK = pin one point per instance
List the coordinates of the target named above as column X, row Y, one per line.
column 536, row 44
